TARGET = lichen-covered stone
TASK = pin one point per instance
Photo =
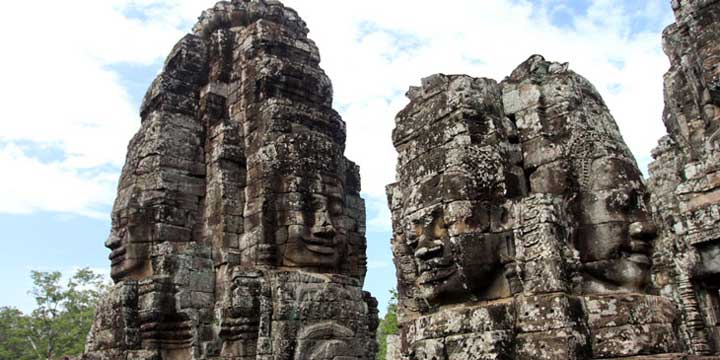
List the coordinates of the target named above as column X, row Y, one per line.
column 521, row 228
column 238, row 229
column 684, row 177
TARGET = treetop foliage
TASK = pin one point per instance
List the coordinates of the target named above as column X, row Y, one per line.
column 60, row 322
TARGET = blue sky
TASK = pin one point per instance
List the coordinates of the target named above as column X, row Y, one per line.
column 73, row 83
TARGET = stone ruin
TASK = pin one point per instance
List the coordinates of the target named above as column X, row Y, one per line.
column 238, row 229
column 685, row 178
column 522, row 227
column 520, row 223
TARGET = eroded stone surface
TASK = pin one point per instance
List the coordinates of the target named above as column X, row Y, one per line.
column 684, row 177
column 521, row 224
column 238, row 229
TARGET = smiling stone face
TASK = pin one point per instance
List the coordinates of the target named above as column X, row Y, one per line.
column 130, row 243
column 129, row 260
column 456, row 258
column 573, row 149
column 429, row 240
column 615, row 232
column 314, row 215
column 456, row 169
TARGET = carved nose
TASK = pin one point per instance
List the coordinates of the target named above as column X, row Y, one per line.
column 324, row 227
column 427, row 248
column 643, row 230
column 113, row 242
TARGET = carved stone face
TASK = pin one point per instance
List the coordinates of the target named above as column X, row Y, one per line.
column 318, row 238
column 438, row 275
column 616, row 233
column 456, row 260
column 130, row 251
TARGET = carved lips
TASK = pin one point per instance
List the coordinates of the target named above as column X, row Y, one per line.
column 321, row 245
column 435, row 270
column 118, row 252
column 434, row 266
column 640, row 252
column 323, row 239
column 117, row 256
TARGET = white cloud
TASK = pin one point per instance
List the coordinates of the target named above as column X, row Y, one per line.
column 35, row 186
column 58, row 92
column 58, row 89
column 368, row 51
column 379, row 217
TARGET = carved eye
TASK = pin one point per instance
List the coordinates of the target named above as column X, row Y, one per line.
column 635, row 200
column 318, row 203
column 336, row 207
column 411, row 236
column 623, row 200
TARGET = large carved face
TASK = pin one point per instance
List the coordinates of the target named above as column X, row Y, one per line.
column 616, row 233
column 316, row 236
column 456, row 258
column 129, row 243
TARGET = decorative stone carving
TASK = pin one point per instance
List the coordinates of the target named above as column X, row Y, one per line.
column 238, row 230
column 240, row 317
column 442, row 210
column 684, row 177
column 521, row 224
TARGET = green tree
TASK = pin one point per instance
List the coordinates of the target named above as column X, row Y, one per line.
column 13, row 340
column 59, row 324
column 388, row 325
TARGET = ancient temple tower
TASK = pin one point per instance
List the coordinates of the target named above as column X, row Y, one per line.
column 684, row 177
column 521, row 224
column 238, row 229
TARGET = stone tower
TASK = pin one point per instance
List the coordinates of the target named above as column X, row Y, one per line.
column 238, row 229
column 684, row 177
column 521, row 224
